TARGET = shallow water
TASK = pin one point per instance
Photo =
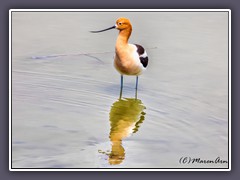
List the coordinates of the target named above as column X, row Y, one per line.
column 65, row 107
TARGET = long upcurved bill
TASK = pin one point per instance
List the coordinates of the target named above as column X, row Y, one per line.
column 113, row 27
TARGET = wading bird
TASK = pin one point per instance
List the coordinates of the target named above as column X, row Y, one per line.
column 130, row 59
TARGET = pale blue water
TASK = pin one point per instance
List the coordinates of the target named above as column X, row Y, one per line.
column 64, row 88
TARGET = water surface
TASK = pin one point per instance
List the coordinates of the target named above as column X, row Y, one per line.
column 66, row 111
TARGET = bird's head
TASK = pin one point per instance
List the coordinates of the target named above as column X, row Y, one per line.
column 121, row 24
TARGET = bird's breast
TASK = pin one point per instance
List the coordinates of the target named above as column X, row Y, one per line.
column 128, row 62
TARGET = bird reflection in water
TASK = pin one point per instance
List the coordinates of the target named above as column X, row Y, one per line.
column 126, row 116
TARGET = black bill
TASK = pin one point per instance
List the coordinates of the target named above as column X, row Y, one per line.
column 113, row 27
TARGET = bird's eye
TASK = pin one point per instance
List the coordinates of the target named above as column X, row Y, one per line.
column 120, row 23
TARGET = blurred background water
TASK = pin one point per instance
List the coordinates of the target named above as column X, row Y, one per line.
column 65, row 107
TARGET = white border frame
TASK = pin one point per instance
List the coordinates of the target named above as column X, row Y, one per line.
column 118, row 10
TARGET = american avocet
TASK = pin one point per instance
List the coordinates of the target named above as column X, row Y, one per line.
column 130, row 59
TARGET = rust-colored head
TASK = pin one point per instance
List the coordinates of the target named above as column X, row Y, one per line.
column 123, row 23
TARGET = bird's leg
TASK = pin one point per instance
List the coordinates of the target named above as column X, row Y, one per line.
column 136, row 87
column 120, row 96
